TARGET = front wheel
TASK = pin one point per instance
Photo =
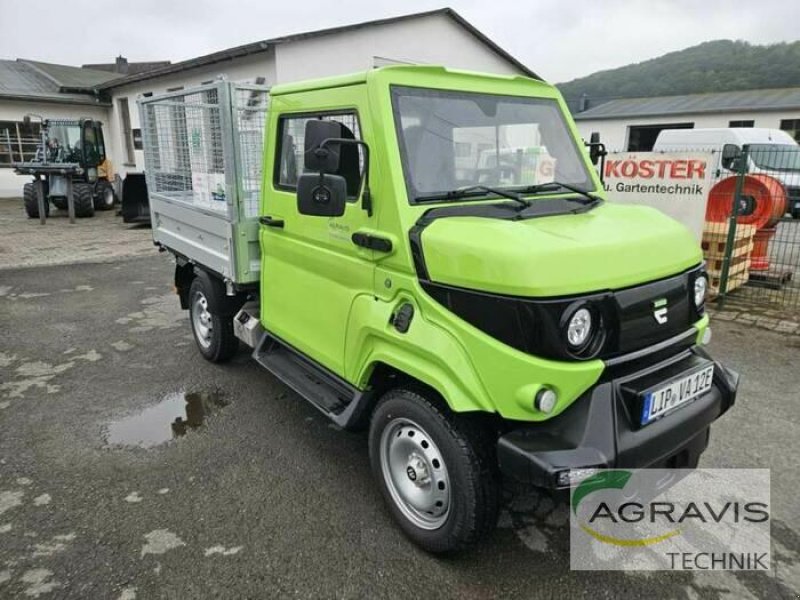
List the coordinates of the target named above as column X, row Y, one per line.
column 31, row 199
column 212, row 332
column 83, row 200
column 435, row 472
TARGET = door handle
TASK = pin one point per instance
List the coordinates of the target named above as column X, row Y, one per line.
column 271, row 222
column 372, row 242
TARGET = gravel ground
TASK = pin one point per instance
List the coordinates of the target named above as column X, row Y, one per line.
column 268, row 499
column 104, row 237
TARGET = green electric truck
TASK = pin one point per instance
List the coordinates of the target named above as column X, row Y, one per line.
column 428, row 253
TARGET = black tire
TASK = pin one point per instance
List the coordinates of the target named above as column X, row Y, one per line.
column 60, row 202
column 466, row 460
column 104, row 196
column 83, row 198
column 31, row 199
column 217, row 342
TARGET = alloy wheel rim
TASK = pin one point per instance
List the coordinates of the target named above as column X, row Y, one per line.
column 415, row 473
column 201, row 320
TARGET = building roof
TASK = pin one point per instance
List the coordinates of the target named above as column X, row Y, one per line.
column 122, row 67
column 720, row 102
column 264, row 45
column 31, row 80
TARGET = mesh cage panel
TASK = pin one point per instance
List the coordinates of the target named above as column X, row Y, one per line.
column 204, row 147
column 249, row 119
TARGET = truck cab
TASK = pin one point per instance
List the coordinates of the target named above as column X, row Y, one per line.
column 484, row 319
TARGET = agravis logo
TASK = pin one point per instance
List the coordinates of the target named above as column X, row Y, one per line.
column 671, row 519
column 603, row 481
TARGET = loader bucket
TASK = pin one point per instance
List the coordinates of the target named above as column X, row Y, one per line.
column 135, row 201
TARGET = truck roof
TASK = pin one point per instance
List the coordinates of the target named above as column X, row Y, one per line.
column 400, row 74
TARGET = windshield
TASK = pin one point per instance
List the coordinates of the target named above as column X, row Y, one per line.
column 63, row 143
column 776, row 157
column 451, row 140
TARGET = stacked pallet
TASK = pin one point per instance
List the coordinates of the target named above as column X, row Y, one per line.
column 715, row 240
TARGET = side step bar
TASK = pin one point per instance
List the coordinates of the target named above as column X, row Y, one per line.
column 333, row 396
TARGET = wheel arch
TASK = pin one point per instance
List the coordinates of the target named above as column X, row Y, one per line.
column 219, row 302
column 388, row 371
column 425, row 355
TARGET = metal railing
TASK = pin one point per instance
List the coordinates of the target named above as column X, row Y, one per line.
column 751, row 237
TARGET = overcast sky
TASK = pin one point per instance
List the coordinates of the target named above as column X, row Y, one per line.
column 558, row 39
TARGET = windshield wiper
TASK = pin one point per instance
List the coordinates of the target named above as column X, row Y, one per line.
column 554, row 186
column 473, row 190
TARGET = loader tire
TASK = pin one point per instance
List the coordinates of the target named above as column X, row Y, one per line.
column 31, row 199
column 83, row 197
column 104, row 196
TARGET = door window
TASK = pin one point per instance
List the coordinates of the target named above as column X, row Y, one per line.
column 290, row 162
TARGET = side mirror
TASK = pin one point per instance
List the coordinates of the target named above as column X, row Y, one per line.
column 321, row 195
column 731, row 153
column 595, row 150
column 324, row 193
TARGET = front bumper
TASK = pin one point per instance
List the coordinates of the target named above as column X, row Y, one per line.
column 601, row 428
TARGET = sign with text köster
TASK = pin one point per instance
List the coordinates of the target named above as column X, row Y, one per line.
column 675, row 183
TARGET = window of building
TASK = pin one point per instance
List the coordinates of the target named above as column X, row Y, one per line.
column 792, row 127
column 127, row 133
column 18, row 141
column 642, row 138
column 742, row 123
column 292, row 143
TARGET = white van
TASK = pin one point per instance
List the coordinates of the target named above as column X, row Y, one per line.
column 771, row 151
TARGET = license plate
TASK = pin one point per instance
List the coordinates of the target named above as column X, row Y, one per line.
column 676, row 393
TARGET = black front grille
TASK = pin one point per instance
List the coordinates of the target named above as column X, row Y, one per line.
column 632, row 319
column 639, row 325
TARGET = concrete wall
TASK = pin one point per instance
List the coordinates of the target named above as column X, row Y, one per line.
column 436, row 39
column 10, row 183
column 614, row 132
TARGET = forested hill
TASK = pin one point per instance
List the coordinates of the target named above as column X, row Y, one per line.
column 718, row 66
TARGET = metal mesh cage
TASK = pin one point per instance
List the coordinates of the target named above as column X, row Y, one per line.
column 204, row 147
column 249, row 118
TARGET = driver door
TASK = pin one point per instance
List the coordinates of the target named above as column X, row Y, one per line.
column 311, row 269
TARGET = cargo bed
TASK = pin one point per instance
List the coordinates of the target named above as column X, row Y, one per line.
column 203, row 159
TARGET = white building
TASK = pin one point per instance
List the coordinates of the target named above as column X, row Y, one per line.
column 634, row 123
column 435, row 37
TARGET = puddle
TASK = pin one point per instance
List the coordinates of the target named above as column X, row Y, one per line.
column 176, row 414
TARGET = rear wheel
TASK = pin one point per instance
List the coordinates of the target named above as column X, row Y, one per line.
column 104, row 196
column 30, row 196
column 83, row 197
column 212, row 332
column 435, row 472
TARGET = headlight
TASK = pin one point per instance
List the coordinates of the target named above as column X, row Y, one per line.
column 700, row 285
column 579, row 329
